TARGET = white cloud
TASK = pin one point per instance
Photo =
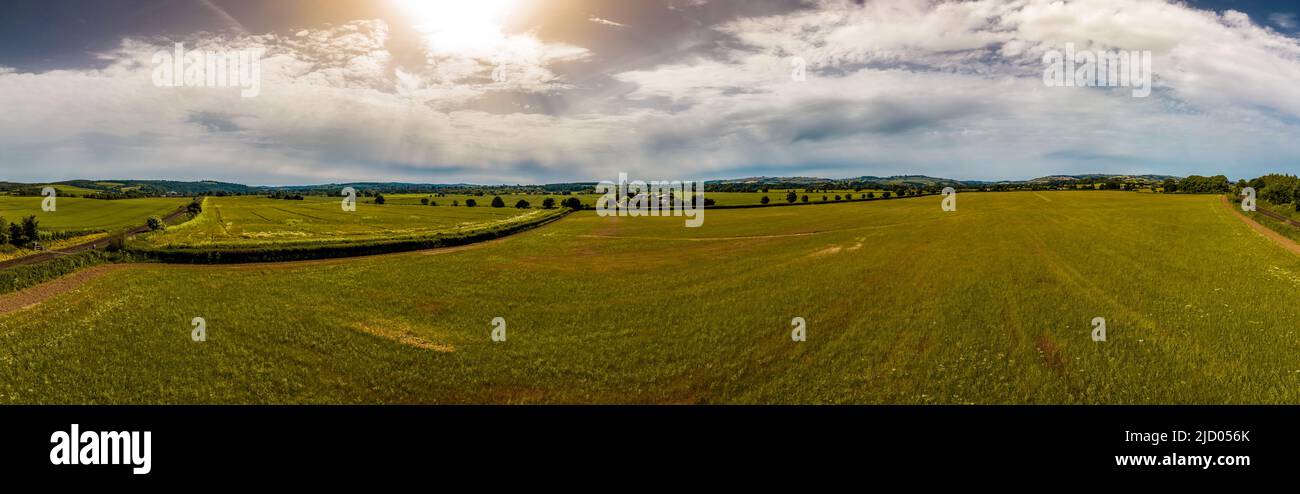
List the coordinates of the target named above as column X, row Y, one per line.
column 1283, row 20
column 894, row 86
column 605, row 22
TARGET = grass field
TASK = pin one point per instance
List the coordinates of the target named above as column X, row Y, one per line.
column 245, row 222
column 904, row 304
column 77, row 214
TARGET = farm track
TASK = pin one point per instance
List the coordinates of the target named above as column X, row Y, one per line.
column 1280, row 239
column 11, row 302
column 96, row 244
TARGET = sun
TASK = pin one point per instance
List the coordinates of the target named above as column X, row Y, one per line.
column 459, row 26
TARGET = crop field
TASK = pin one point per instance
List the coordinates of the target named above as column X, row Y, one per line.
column 88, row 215
column 904, row 303
column 259, row 221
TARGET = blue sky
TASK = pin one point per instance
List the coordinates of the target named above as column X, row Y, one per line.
column 661, row 89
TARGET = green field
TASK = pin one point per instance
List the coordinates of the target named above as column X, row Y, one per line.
column 77, row 214
column 904, row 304
column 249, row 222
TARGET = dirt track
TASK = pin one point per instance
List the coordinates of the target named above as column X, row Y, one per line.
column 97, row 244
column 20, row 300
column 1282, row 240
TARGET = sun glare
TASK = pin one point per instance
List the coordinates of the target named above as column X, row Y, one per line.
column 459, row 26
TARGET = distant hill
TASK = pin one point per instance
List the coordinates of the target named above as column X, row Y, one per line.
column 144, row 188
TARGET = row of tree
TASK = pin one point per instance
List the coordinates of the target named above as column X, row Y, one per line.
column 1274, row 188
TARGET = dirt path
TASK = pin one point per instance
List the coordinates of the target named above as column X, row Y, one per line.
column 1282, row 240
column 97, row 244
column 11, row 302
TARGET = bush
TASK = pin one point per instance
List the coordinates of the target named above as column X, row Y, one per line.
column 885, row 194
column 790, row 197
column 548, row 203
column 433, row 203
column 838, row 198
column 709, row 202
column 804, row 198
column 155, row 223
column 424, row 201
column 4, row 232
column 194, row 207
column 455, row 204
column 764, row 200
column 522, row 204
column 379, row 199
column 497, row 202
column 572, row 203
column 871, row 195
column 469, row 203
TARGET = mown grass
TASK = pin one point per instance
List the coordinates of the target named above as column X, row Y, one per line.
column 904, row 303
column 73, row 214
column 260, row 222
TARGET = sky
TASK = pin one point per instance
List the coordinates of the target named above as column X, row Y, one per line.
column 545, row 91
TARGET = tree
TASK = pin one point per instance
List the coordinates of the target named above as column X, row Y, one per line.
column 885, row 194
column 548, row 203
column 1170, row 185
column 31, row 229
column 433, row 203
column 424, row 201
column 572, row 203
column 155, row 223
column 838, row 198
column 790, row 197
column 823, row 198
column 497, row 202
column 455, row 204
column 4, row 231
column 379, row 199
column 804, row 198
column 708, row 201
column 469, row 203
column 16, row 234
column 764, row 200
column 195, row 207
column 871, row 195
column 522, row 204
